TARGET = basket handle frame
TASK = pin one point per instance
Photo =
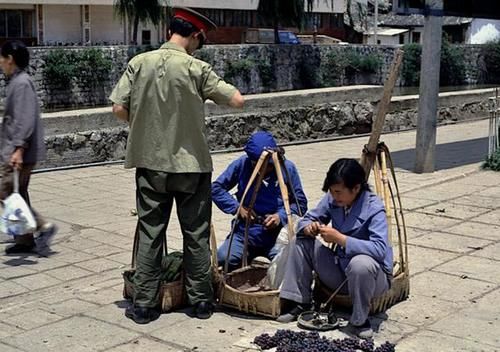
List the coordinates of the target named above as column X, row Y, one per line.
column 279, row 163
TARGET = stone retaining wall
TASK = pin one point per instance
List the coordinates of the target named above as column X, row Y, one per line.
column 268, row 68
column 308, row 119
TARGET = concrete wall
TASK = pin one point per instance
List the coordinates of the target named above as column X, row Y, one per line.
column 62, row 23
column 386, row 39
column 95, row 135
column 105, row 27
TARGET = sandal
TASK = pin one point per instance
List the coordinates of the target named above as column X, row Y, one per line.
column 312, row 320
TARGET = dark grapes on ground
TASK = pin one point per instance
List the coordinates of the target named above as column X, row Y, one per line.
column 300, row 341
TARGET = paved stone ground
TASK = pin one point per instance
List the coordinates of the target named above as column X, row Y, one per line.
column 71, row 299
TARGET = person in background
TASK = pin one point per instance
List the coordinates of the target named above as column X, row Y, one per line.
column 161, row 95
column 22, row 141
column 268, row 215
column 352, row 219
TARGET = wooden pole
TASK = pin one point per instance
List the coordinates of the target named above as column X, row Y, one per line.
column 387, row 195
column 375, row 27
column 429, row 88
column 368, row 155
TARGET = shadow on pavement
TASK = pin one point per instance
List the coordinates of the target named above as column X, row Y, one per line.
column 19, row 259
column 448, row 155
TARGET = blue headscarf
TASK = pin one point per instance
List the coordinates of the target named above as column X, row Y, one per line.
column 258, row 142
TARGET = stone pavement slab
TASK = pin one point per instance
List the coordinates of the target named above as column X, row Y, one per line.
column 475, row 229
column 449, row 242
column 421, row 259
column 449, row 287
column 76, row 334
column 472, row 267
column 491, row 252
column 71, row 299
column 145, row 344
column 7, row 348
column 426, row 340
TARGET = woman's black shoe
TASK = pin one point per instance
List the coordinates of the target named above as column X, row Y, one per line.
column 20, row 248
column 142, row 315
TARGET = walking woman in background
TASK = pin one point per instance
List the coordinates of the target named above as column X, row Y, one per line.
column 21, row 140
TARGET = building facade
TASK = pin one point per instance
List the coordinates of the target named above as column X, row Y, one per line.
column 93, row 22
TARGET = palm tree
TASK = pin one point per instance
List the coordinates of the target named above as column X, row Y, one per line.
column 285, row 12
column 135, row 11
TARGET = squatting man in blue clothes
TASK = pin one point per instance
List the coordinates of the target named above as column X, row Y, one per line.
column 268, row 215
column 353, row 220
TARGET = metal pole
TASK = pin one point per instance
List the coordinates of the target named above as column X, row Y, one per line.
column 375, row 29
column 429, row 88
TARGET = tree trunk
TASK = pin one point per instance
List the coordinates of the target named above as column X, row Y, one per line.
column 276, row 31
column 136, row 27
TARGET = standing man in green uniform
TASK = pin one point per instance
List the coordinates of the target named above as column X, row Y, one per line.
column 162, row 95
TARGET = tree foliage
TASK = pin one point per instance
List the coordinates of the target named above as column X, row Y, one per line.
column 286, row 12
column 135, row 11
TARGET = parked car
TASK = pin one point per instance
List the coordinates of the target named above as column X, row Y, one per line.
column 266, row 36
column 287, row 37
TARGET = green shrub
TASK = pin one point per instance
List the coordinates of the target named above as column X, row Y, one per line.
column 410, row 72
column 87, row 66
column 266, row 73
column 338, row 65
column 333, row 68
column 60, row 67
column 242, row 68
column 493, row 162
column 452, row 68
column 203, row 55
column 357, row 63
column 92, row 66
column 491, row 55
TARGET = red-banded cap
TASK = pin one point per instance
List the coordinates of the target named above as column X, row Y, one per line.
column 195, row 18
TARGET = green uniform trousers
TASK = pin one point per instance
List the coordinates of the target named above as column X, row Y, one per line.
column 155, row 194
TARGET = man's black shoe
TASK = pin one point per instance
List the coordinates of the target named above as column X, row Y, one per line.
column 142, row 315
column 20, row 248
column 203, row 310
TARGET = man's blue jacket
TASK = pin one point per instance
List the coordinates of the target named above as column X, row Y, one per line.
column 268, row 199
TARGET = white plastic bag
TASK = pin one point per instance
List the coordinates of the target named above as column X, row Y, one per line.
column 17, row 218
column 276, row 270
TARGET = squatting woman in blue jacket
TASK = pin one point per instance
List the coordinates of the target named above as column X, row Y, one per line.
column 268, row 215
column 353, row 221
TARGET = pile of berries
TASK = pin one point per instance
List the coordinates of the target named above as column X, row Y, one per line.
column 301, row 341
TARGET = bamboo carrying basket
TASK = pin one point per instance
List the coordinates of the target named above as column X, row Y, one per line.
column 172, row 294
column 265, row 303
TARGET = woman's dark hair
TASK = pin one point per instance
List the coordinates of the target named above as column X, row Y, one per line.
column 181, row 27
column 346, row 171
column 19, row 53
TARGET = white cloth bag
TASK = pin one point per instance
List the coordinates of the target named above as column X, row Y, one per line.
column 17, row 218
column 276, row 270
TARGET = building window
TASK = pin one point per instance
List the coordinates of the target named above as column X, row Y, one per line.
column 3, row 24
column 146, row 37
column 17, row 23
column 313, row 21
column 415, row 37
column 401, row 39
column 14, row 24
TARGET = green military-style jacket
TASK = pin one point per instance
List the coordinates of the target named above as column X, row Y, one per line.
column 164, row 91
